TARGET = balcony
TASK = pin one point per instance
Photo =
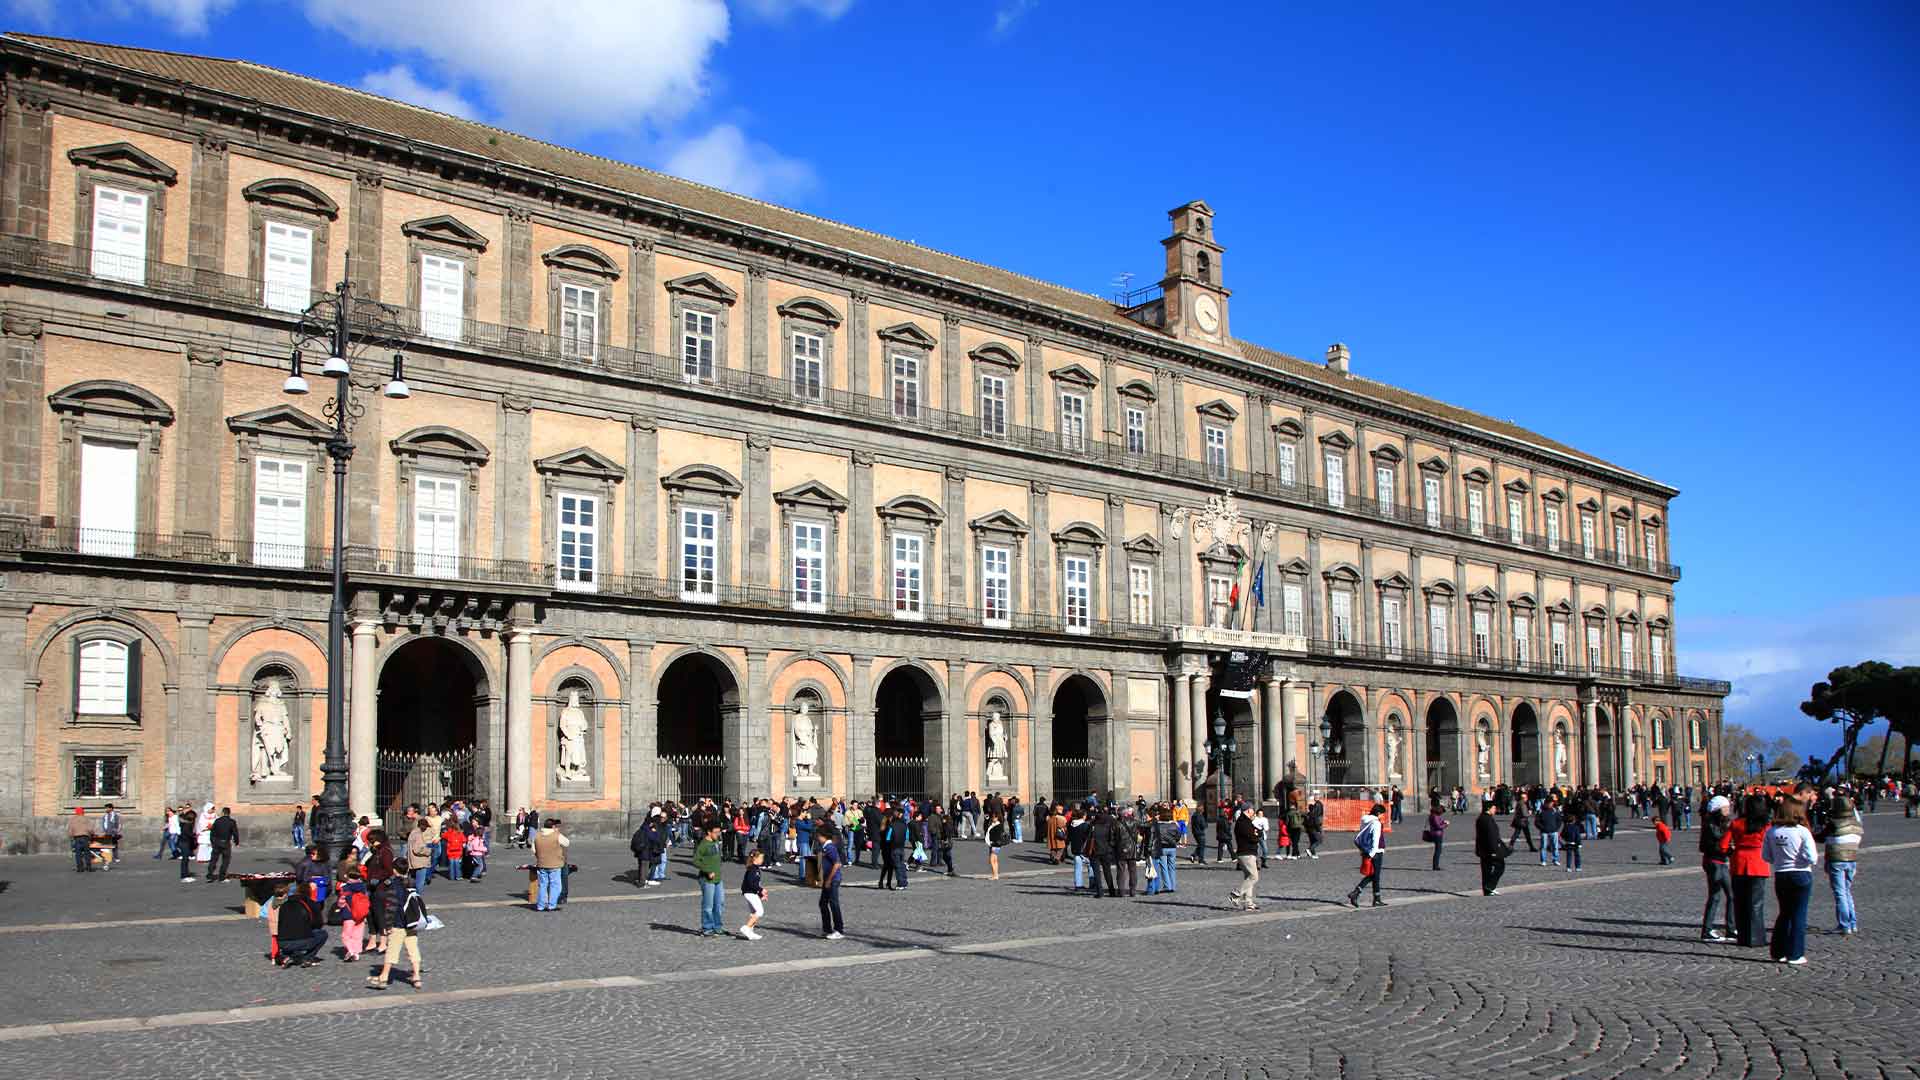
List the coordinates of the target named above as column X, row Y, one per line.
column 26, row 257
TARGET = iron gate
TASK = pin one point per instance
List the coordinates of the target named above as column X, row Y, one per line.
column 683, row 778
column 407, row 776
column 1072, row 779
column 894, row 777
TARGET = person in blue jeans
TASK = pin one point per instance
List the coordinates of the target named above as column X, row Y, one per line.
column 832, row 925
column 1163, row 839
column 549, row 865
column 1551, row 821
column 713, row 897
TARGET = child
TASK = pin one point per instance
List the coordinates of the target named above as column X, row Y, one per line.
column 1570, row 834
column 477, row 850
column 1664, row 834
column 756, row 894
column 355, row 905
column 270, row 913
column 455, row 843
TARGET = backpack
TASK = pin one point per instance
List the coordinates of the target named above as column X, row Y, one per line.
column 358, row 906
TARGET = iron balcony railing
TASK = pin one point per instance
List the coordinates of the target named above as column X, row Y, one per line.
column 1329, row 649
column 67, row 263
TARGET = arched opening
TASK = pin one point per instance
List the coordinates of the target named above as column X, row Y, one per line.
column 1444, row 771
column 1346, row 747
column 1525, row 746
column 906, row 702
column 1078, row 765
column 1604, row 746
column 699, row 701
column 433, row 693
column 996, row 731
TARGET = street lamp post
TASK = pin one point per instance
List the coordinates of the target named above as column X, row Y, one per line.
column 1326, row 747
column 337, row 322
column 1220, row 752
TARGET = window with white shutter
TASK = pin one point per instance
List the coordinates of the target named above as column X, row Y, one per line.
column 1657, row 653
column 1136, row 431
column 279, row 511
column 1140, row 595
column 809, row 366
column 1430, row 496
column 699, row 555
column 1482, row 636
column 577, row 546
column 1293, row 599
column 1594, row 657
column 1620, row 544
column 1553, row 528
column 996, row 585
column 579, row 322
column 1516, row 520
column 103, row 678
column 288, row 268
column 906, row 387
column 1383, row 488
column 1437, row 626
column 1476, row 512
column 809, row 566
column 1342, row 618
column 1558, row 628
column 1522, row 638
column 1336, row 480
column 109, row 490
column 120, row 235
column 436, row 525
column 443, row 286
column 1284, row 462
column 696, row 346
column 1390, row 625
column 993, row 406
column 1076, row 583
column 1586, row 535
column 1073, row 422
column 1626, row 650
column 909, row 601
column 1217, row 461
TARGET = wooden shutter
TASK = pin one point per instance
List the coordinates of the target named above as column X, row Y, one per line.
column 133, row 680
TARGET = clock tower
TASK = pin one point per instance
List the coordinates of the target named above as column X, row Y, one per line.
column 1196, row 304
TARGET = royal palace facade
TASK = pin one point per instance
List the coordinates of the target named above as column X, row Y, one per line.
column 689, row 493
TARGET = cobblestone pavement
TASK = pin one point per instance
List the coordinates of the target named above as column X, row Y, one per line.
column 1597, row 974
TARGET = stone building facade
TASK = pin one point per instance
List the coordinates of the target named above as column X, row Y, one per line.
column 696, row 494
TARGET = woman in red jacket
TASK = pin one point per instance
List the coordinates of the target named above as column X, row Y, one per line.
column 456, row 844
column 1750, row 870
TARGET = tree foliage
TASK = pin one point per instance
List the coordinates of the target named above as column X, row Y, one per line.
column 1858, row 696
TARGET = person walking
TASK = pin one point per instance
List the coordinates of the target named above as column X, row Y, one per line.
column 1750, row 870
column 940, row 826
column 549, row 865
column 1522, row 826
column 402, row 914
column 1163, row 848
column 186, row 819
column 80, row 838
column 1096, row 846
column 1714, row 847
column 1371, row 840
column 755, row 893
column 832, row 926
column 1551, row 821
column 1571, row 835
column 420, row 854
column 1246, row 854
column 899, row 840
column 1296, row 823
column 1663, row 840
column 706, row 866
column 1436, row 831
column 1490, row 848
column 1842, row 838
column 221, row 837
column 996, row 839
column 1316, row 825
column 1790, row 850
column 300, row 826
column 1197, row 823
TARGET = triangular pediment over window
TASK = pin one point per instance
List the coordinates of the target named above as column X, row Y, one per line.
column 280, row 420
column 1395, row 580
column 999, row 521
column 1337, row 440
column 1295, row 567
column 1589, row 503
column 445, row 229
column 1434, row 464
column 811, row 494
column 1218, row 409
column 1484, row 595
column 581, row 461
column 1074, row 375
column 125, row 159
column 703, row 286
column 1554, row 496
column 908, row 334
column 1143, row 545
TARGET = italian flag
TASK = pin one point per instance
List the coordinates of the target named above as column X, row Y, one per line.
column 1233, row 595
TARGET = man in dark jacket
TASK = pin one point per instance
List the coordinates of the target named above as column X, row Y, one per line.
column 1246, row 852
column 1490, row 849
column 1550, row 820
column 301, row 929
column 222, row 837
column 188, row 819
column 644, row 852
column 1097, row 845
column 1125, row 842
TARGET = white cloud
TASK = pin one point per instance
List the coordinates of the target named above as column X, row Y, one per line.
column 570, row 67
column 186, row 17
column 777, row 10
column 1010, row 13
column 35, row 12
column 400, row 83
column 725, row 158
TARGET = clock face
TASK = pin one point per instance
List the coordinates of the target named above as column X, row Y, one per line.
column 1207, row 314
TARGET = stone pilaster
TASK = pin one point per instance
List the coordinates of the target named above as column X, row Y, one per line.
column 1040, row 558
column 190, row 728
column 1369, row 597
column 1181, row 725
column 363, row 744
column 1113, row 561
column 757, row 320
column 519, row 746
column 749, row 756
column 363, row 472
column 758, row 511
column 16, row 720
column 860, row 533
column 640, row 288
column 512, row 480
column 207, row 205
column 643, row 497
column 200, row 440
column 639, row 735
column 857, row 346
column 516, row 264
column 23, row 394
column 860, row 763
column 952, row 393
column 956, row 545
column 26, row 162
column 364, row 231
column 1043, row 734
column 1035, row 368
column 1315, row 585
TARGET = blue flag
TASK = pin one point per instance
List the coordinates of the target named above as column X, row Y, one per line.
column 1260, row 584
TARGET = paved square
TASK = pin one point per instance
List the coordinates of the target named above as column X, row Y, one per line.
column 1599, row 974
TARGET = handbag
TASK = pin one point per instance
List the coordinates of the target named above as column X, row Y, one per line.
column 1366, row 866
column 1152, row 870
column 1426, row 836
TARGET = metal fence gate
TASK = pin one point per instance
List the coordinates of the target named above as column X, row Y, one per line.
column 1072, row 779
column 682, row 778
column 900, row 776
column 406, row 776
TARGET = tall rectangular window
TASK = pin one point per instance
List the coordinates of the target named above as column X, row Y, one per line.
column 1140, row 595
column 1558, row 629
column 1219, row 599
column 1336, row 480
column 1626, row 649
column 809, row 566
column 809, row 367
column 99, row 776
column 1390, row 625
column 699, row 554
column 1342, row 618
column 103, row 678
column 120, row 235
column 696, row 346
column 1293, row 609
column 443, row 286
column 1383, row 488
column 1136, row 431
column 1522, row 638
column 109, row 487
column 1076, row 583
column 1553, row 528
column 1482, row 635
column 1651, row 543
column 1476, row 512
column 1284, row 463
column 1620, row 544
column 1216, row 452
column 436, row 525
column 1430, row 500
column 1594, row 659
column 576, row 546
column 908, row 600
column 288, row 267
column 996, row 585
column 993, row 406
column 1586, row 536
column 1073, row 422
column 279, row 511
column 1437, row 626
column 906, row 387
column 1516, row 520
column 579, row 322
column 1657, row 653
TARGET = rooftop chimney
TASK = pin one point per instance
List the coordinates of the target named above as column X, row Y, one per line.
column 1337, row 357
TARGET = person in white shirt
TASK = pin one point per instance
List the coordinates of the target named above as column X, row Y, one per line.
column 1789, row 848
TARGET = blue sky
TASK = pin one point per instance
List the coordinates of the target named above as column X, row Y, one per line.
column 1685, row 242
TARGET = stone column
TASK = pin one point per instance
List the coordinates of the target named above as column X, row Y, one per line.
column 1043, row 732
column 1273, row 736
column 1182, row 735
column 1289, row 731
column 1590, row 742
column 363, row 725
column 519, row 718
column 1202, row 725
column 860, row 766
